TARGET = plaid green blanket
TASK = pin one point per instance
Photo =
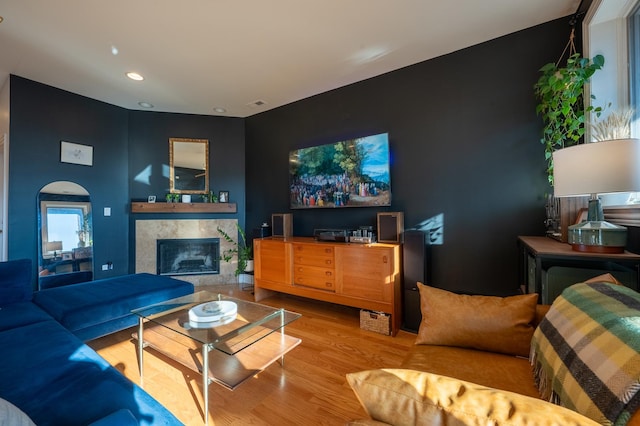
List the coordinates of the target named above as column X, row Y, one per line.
column 586, row 352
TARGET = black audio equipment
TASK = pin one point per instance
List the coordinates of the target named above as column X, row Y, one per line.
column 262, row 232
column 339, row 235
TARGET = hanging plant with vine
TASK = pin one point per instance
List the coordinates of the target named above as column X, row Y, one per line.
column 560, row 91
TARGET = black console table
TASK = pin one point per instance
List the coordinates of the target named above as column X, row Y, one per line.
column 58, row 265
column 547, row 266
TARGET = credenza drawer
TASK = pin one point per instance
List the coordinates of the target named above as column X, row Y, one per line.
column 314, row 255
column 315, row 277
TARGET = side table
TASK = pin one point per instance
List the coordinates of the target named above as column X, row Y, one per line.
column 547, row 266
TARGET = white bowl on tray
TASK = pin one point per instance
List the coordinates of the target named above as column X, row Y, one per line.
column 214, row 311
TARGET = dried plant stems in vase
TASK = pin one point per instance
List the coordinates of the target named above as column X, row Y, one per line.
column 617, row 125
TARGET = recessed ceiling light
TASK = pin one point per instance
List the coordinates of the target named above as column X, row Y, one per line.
column 219, row 110
column 135, row 76
column 145, row 104
column 114, row 50
column 370, row 54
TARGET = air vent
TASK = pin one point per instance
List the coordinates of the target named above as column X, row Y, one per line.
column 257, row 103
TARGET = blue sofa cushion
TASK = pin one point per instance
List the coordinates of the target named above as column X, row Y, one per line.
column 98, row 330
column 57, row 380
column 22, row 313
column 85, row 305
column 15, row 281
column 58, row 280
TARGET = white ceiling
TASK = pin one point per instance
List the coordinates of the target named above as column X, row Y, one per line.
column 196, row 55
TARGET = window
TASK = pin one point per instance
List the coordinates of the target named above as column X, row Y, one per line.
column 612, row 28
column 65, row 224
column 634, row 65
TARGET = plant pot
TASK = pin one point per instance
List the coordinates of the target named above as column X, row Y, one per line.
column 249, row 267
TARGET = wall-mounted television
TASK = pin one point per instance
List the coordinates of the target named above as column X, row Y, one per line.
column 349, row 173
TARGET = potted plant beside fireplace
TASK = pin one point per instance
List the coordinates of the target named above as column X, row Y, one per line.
column 241, row 250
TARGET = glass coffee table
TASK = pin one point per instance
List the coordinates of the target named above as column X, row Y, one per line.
column 225, row 339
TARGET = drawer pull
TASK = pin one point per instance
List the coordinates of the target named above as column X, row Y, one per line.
column 328, row 273
column 328, row 262
column 328, row 250
column 328, row 285
column 384, row 259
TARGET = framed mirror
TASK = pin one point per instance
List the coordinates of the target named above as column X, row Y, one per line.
column 66, row 239
column 189, row 166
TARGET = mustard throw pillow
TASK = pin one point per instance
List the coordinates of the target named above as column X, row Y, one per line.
column 489, row 323
column 408, row 397
column 604, row 278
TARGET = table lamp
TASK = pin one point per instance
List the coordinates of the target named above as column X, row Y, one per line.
column 597, row 168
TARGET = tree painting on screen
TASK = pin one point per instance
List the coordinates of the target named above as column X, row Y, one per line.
column 350, row 173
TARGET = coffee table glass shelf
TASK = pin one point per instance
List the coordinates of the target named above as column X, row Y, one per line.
column 225, row 339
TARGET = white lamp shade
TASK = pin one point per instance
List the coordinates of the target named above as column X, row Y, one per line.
column 597, row 168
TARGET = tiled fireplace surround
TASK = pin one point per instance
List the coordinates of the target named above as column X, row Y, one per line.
column 149, row 231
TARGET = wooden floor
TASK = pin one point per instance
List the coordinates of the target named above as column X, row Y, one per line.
column 309, row 390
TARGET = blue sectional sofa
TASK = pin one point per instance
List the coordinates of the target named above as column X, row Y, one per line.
column 46, row 370
column 97, row 308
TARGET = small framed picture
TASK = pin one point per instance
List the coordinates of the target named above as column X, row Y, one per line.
column 76, row 154
column 67, row 255
column 223, row 196
column 151, row 199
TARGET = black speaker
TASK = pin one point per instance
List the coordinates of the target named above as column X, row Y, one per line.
column 415, row 268
column 411, row 314
column 390, row 227
column 414, row 259
column 281, row 225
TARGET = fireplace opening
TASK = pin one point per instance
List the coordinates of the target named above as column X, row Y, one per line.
column 188, row 256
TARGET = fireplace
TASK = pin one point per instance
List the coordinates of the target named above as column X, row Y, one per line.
column 149, row 231
column 188, row 256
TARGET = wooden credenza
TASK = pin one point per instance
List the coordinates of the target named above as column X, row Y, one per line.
column 366, row 276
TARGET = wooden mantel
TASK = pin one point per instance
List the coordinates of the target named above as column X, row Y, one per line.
column 143, row 207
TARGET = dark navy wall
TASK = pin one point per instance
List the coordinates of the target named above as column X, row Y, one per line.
column 41, row 117
column 125, row 143
column 149, row 135
column 464, row 143
column 464, row 140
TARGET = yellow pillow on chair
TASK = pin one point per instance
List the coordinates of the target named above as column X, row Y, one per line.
column 408, row 397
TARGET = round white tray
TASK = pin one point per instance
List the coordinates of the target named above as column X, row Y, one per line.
column 213, row 311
